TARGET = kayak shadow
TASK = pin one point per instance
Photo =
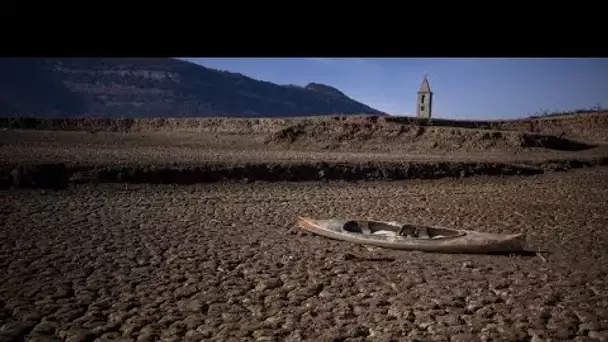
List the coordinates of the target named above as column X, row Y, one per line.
column 523, row 253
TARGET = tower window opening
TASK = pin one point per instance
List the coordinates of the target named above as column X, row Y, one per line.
column 422, row 99
column 422, row 108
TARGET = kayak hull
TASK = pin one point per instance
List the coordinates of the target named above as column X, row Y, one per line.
column 434, row 239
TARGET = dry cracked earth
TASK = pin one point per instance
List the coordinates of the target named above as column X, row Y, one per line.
column 222, row 262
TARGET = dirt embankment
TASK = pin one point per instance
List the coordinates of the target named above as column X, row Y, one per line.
column 588, row 127
column 582, row 126
column 381, row 135
column 375, row 136
column 126, row 125
column 60, row 175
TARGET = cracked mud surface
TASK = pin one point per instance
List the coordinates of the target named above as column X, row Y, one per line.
column 221, row 262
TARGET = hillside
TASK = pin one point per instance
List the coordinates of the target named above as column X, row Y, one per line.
column 155, row 87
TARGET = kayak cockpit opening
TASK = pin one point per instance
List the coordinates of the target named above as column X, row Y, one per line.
column 371, row 228
column 406, row 230
column 424, row 232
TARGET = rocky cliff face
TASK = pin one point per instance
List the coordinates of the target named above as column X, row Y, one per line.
column 155, row 87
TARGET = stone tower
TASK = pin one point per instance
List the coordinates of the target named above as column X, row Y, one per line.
column 424, row 103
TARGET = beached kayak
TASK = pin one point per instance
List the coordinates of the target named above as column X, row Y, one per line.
column 412, row 237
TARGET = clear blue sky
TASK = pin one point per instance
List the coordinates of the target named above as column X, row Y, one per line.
column 463, row 88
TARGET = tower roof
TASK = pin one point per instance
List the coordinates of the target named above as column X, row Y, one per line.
column 425, row 87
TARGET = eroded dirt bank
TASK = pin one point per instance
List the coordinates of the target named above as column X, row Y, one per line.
column 219, row 262
column 585, row 126
column 385, row 135
column 60, row 175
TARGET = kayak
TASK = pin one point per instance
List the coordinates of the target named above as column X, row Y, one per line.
column 413, row 237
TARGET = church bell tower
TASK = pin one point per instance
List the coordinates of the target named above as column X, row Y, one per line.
column 424, row 102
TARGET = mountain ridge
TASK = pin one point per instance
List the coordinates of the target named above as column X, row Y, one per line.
column 156, row 87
